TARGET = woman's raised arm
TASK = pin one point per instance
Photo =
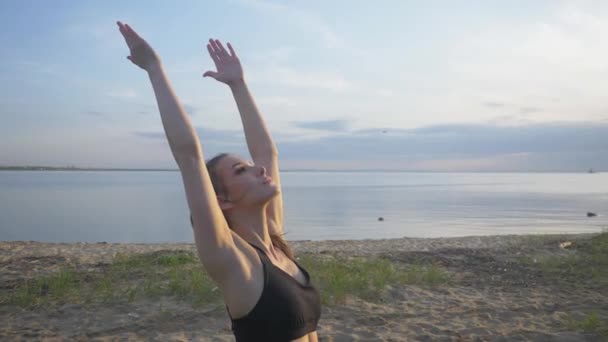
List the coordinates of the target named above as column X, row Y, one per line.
column 180, row 133
column 261, row 146
column 213, row 238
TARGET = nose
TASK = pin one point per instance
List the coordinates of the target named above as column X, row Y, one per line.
column 262, row 171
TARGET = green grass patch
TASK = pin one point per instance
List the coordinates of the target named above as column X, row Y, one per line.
column 591, row 323
column 587, row 260
column 366, row 278
column 179, row 274
column 60, row 285
column 126, row 279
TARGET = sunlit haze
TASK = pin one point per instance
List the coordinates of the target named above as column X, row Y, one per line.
column 397, row 85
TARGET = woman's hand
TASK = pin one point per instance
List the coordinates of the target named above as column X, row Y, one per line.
column 142, row 53
column 229, row 70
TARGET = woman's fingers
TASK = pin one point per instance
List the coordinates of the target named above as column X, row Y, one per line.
column 133, row 33
column 142, row 53
column 130, row 36
column 223, row 60
column 216, row 49
column 125, row 35
column 223, row 51
column 124, row 30
column 121, row 28
column 232, row 53
column 213, row 55
column 219, row 50
column 128, row 33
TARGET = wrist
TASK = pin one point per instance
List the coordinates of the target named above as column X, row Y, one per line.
column 236, row 84
column 154, row 68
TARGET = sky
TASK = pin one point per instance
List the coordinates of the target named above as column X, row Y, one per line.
column 397, row 85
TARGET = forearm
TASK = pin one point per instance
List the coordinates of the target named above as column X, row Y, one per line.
column 178, row 128
column 257, row 135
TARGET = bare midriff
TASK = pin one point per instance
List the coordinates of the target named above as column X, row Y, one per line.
column 311, row 337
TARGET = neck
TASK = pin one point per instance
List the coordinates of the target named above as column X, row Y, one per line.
column 250, row 224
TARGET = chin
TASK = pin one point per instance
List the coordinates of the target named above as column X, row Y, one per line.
column 272, row 193
column 276, row 190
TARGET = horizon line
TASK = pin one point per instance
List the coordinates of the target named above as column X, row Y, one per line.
column 73, row 168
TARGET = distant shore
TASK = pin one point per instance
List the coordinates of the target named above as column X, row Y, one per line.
column 49, row 168
column 72, row 168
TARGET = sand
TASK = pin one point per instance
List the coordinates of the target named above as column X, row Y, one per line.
column 492, row 296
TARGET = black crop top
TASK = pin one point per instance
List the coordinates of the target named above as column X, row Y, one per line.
column 285, row 311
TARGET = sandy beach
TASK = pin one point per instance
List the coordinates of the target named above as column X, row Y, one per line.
column 492, row 295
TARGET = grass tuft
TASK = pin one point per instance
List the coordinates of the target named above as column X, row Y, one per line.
column 127, row 278
column 57, row 286
column 591, row 323
column 179, row 274
column 587, row 261
column 366, row 278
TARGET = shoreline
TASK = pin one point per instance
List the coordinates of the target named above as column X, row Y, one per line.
column 51, row 168
column 497, row 290
column 50, row 255
column 18, row 248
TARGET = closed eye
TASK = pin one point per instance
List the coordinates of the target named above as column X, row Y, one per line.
column 241, row 167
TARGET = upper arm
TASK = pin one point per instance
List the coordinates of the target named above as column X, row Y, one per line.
column 214, row 240
column 274, row 210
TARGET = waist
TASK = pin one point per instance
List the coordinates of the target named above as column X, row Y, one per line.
column 272, row 330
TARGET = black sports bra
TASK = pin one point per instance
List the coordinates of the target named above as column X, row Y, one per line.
column 285, row 311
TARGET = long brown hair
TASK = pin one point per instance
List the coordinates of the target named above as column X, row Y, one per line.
column 276, row 239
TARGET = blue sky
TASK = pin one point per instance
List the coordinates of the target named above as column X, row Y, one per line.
column 408, row 85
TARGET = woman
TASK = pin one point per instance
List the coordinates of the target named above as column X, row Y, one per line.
column 237, row 209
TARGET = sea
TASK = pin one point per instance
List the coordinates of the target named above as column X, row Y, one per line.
column 151, row 207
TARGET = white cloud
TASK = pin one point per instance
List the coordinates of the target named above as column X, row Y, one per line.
column 500, row 162
column 36, row 67
column 277, row 101
column 385, row 92
column 102, row 31
column 307, row 21
column 122, row 94
column 545, row 147
column 557, row 64
column 278, row 75
column 277, row 55
column 187, row 67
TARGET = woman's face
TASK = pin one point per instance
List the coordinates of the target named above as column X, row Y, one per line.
column 246, row 184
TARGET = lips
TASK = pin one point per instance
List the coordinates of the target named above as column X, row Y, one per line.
column 267, row 180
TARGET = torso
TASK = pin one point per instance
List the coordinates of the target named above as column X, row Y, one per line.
column 244, row 289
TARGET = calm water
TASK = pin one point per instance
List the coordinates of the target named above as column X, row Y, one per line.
column 89, row 206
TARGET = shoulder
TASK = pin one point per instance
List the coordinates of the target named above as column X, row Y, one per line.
column 243, row 281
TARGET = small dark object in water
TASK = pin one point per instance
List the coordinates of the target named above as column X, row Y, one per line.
column 380, row 218
column 590, row 214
